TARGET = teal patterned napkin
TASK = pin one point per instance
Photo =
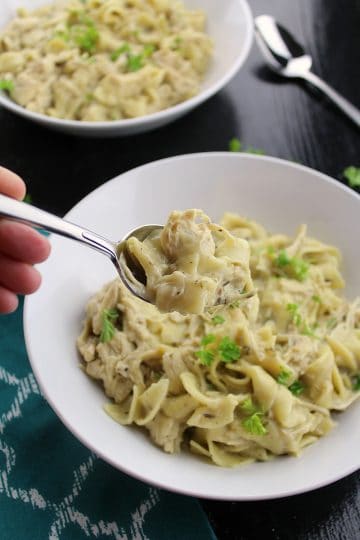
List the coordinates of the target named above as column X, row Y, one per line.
column 52, row 487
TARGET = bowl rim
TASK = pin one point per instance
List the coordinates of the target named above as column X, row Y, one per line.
column 90, row 444
column 175, row 110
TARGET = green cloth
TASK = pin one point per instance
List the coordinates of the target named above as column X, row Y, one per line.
column 52, row 487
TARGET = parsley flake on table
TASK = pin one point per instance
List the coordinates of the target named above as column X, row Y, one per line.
column 229, row 350
column 7, row 85
column 108, row 316
column 296, row 388
column 352, row 175
column 235, row 145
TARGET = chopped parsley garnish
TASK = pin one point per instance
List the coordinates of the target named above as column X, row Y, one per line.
column 206, row 357
column 6, row 85
column 137, row 61
column 176, row 43
column 356, row 383
column 296, row 388
column 218, row 319
column 81, row 31
column 256, row 151
column 293, row 309
column 253, row 424
column 63, row 34
column 352, row 175
column 282, row 258
column 118, row 52
column 331, row 323
column 210, row 338
column 298, row 267
column 148, row 50
column 235, row 145
column 87, row 38
column 309, row 331
column 108, row 317
column 157, row 375
column 316, row 298
column 296, row 318
column 229, row 350
column 283, row 377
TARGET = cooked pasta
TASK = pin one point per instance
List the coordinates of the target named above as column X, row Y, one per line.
column 101, row 60
column 192, row 264
column 247, row 380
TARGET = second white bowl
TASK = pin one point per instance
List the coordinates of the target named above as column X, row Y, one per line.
column 230, row 24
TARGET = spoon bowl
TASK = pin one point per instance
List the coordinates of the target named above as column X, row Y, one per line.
column 287, row 57
column 282, row 52
column 127, row 268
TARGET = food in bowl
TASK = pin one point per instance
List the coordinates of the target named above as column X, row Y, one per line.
column 104, row 60
column 192, row 264
column 247, row 380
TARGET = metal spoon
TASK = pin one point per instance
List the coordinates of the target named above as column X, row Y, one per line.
column 288, row 58
column 129, row 271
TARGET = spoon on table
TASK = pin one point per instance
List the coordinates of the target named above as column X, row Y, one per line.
column 130, row 272
column 288, row 58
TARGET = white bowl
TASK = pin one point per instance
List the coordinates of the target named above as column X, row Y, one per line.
column 230, row 24
column 280, row 195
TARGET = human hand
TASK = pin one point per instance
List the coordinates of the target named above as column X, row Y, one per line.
column 20, row 248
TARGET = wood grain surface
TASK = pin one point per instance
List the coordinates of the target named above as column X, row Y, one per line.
column 285, row 119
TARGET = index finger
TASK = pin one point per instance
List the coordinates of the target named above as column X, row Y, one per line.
column 11, row 184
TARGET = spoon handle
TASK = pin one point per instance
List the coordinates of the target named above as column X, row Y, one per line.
column 343, row 104
column 30, row 215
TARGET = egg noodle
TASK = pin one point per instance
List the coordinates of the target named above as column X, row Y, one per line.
column 99, row 60
column 246, row 380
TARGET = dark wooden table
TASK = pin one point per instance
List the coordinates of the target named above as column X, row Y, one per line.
column 285, row 120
